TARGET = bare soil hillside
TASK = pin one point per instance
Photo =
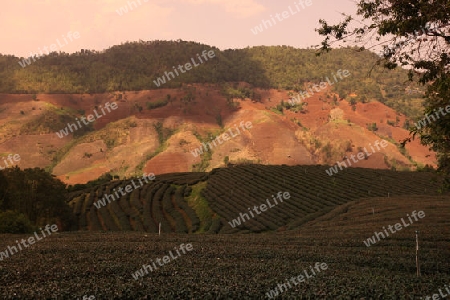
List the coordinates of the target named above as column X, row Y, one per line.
column 133, row 139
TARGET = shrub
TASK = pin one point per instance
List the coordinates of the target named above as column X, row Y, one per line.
column 276, row 110
column 14, row 222
column 219, row 120
column 232, row 105
column 86, row 154
column 328, row 150
column 348, row 146
column 159, row 103
column 280, row 107
column 391, row 123
column 372, row 126
column 406, row 125
column 426, row 168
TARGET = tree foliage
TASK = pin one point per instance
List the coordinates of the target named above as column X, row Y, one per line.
column 34, row 195
column 414, row 34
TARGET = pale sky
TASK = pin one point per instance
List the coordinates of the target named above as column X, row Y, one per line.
column 30, row 25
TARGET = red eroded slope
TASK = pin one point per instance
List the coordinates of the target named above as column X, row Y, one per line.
column 289, row 138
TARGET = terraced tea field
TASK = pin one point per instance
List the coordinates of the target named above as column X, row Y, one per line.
column 246, row 266
column 207, row 202
column 327, row 221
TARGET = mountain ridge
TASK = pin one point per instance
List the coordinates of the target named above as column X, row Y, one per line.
column 134, row 66
column 299, row 116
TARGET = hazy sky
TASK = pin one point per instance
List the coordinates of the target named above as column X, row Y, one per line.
column 30, row 25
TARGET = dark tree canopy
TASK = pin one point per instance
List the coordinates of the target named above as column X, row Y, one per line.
column 414, row 34
column 36, row 194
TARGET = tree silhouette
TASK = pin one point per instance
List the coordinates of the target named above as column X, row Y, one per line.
column 414, row 34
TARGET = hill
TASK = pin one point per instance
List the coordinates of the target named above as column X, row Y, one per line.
column 135, row 66
column 137, row 138
column 159, row 128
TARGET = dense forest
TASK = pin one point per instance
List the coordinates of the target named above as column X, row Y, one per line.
column 30, row 198
column 135, row 65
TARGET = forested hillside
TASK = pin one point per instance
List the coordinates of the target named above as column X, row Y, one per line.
column 136, row 65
